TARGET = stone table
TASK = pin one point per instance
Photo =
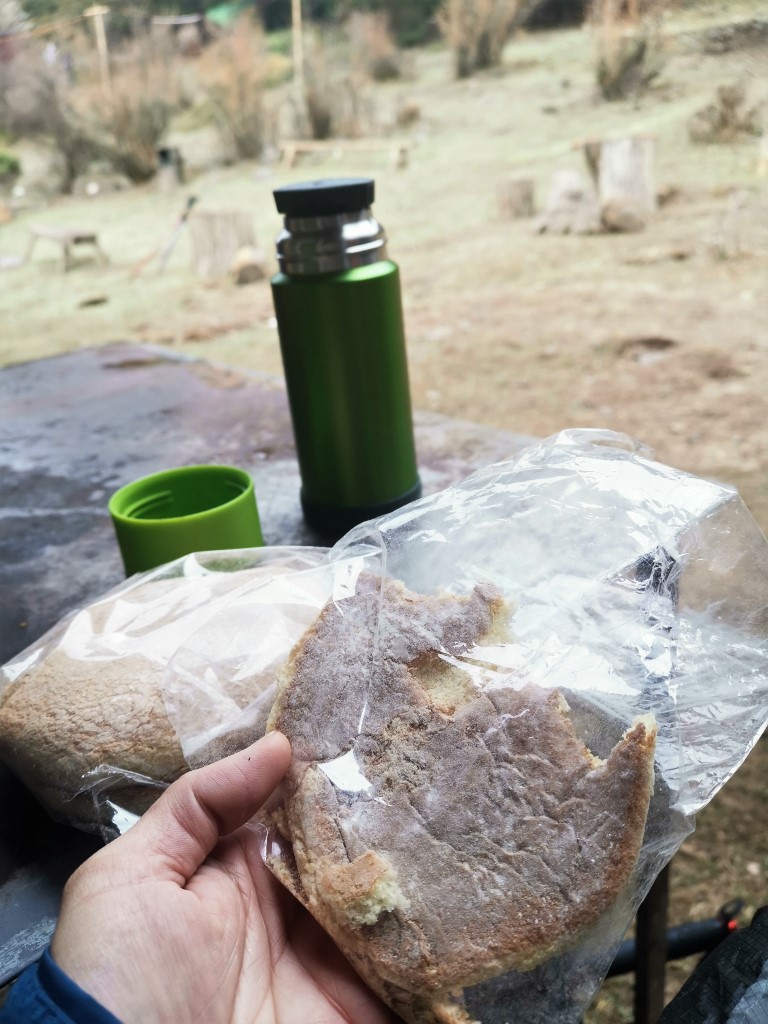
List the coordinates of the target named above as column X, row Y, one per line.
column 73, row 429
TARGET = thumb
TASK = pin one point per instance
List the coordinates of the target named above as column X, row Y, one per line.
column 178, row 832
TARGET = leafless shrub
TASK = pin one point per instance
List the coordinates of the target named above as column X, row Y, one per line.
column 36, row 102
column 128, row 130
column 375, row 50
column 319, row 112
column 477, row 31
column 152, row 64
column 626, row 65
column 121, row 121
column 338, row 102
column 408, row 114
column 729, row 118
column 629, row 53
column 235, row 73
column 24, row 82
column 127, row 121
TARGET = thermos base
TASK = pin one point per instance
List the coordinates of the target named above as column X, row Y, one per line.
column 333, row 521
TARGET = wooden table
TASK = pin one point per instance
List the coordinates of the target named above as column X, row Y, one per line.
column 74, row 428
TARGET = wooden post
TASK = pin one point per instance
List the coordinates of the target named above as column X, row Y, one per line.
column 98, row 12
column 297, row 40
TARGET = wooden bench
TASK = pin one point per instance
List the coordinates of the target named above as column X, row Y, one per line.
column 68, row 239
column 398, row 151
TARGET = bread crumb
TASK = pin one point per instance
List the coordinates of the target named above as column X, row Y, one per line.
column 364, row 889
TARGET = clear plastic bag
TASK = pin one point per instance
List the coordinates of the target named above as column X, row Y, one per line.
column 579, row 599
column 632, row 591
column 83, row 720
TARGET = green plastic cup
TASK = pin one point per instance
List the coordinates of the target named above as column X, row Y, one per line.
column 178, row 511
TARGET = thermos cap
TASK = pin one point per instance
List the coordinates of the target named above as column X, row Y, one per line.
column 326, row 197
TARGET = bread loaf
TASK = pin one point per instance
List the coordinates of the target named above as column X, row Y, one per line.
column 93, row 696
column 443, row 827
column 66, row 716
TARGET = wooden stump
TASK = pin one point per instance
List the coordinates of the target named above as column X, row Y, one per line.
column 249, row 265
column 742, row 227
column 217, row 236
column 572, row 207
column 622, row 171
column 516, row 198
column 626, row 173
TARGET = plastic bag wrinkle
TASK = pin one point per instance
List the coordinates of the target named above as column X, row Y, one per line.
column 629, row 589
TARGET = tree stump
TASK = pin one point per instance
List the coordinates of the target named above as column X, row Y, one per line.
column 217, row 237
column 249, row 265
column 742, row 227
column 622, row 170
column 516, row 198
column 572, row 207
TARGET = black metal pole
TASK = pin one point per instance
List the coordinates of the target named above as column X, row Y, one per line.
column 651, row 930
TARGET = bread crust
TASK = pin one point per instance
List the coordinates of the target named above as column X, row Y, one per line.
column 94, row 696
column 64, row 717
column 504, row 835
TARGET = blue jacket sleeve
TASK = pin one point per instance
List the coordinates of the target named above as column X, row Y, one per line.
column 44, row 994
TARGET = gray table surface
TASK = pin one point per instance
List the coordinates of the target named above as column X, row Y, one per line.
column 74, row 428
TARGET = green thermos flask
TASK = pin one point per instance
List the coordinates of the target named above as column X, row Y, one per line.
column 340, row 320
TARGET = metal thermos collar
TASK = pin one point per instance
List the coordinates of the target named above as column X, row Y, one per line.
column 330, row 243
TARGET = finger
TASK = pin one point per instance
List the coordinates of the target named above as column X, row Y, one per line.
column 179, row 831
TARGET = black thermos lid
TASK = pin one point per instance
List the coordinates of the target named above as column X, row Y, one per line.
column 325, row 197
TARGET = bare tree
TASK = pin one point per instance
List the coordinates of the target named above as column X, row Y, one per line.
column 477, row 30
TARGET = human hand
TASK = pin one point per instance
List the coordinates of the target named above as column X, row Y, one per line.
column 180, row 921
